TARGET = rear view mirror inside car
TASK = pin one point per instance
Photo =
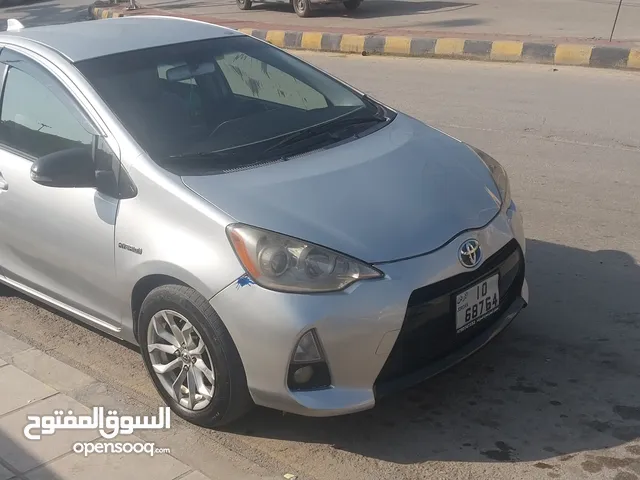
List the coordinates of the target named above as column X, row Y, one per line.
column 185, row 72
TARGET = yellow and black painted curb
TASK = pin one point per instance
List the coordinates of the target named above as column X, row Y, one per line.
column 457, row 48
column 98, row 13
column 454, row 48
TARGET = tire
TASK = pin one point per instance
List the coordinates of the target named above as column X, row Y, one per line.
column 302, row 7
column 230, row 399
column 352, row 4
column 244, row 4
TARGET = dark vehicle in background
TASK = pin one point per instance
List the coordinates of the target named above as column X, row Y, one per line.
column 304, row 8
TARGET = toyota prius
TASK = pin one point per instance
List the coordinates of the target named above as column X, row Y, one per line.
column 264, row 232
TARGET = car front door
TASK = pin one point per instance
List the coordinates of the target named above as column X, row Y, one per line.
column 55, row 243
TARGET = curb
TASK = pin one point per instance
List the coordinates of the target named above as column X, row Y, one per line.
column 451, row 48
column 99, row 13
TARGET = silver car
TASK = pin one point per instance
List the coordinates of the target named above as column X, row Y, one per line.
column 264, row 232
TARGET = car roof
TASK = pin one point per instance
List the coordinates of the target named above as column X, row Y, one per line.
column 97, row 38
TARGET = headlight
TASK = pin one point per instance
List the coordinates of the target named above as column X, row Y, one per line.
column 499, row 175
column 283, row 263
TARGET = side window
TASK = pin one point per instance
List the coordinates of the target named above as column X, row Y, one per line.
column 250, row 77
column 34, row 121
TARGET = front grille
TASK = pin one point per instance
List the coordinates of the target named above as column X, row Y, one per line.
column 428, row 332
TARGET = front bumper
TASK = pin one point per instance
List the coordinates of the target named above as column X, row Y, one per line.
column 377, row 335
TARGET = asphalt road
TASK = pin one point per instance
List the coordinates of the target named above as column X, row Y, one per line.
column 33, row 13
column 558, row 394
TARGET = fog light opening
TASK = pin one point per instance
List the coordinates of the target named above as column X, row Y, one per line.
column 308, row 369
column 307, row 349
column 303, row 375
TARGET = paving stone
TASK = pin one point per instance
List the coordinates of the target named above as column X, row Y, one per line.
column 9, row 346
column 110, row 466
column 24, row 454
column 53, row 372
column 20, row 389
column 4, row 473
column 195, row 476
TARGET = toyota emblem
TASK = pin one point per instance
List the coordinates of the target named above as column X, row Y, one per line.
column 469, row 253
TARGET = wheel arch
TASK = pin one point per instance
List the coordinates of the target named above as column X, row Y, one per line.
column 141, row 290
column 149, row 281
column 206, row 278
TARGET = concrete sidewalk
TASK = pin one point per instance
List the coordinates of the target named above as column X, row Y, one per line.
column 33, row 383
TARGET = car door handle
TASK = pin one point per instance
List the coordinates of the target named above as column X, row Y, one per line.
column 3, row 183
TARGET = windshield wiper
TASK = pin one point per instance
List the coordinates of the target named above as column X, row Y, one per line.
column 318, row 131
column 322, row 129
column 197, row 155
column 346, row 121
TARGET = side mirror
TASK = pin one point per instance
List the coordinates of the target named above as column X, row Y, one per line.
column 107, row 183
column 71, row 168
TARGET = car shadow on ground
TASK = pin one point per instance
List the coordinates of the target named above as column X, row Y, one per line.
column 562, row 379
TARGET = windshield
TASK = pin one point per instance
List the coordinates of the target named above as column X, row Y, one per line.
column 226, row 103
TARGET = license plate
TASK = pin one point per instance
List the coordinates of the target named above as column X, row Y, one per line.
column 476, row 303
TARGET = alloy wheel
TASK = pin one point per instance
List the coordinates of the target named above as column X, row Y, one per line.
column 302, row 7
column 180, row 360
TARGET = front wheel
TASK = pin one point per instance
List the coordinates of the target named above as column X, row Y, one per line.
column 191, row 357
column 302, row 7
column 352, row 4
column 242, row 4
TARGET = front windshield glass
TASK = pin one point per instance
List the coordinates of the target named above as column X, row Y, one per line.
column 225, row 103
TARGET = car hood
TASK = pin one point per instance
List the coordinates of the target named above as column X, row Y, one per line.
column 402, row 191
